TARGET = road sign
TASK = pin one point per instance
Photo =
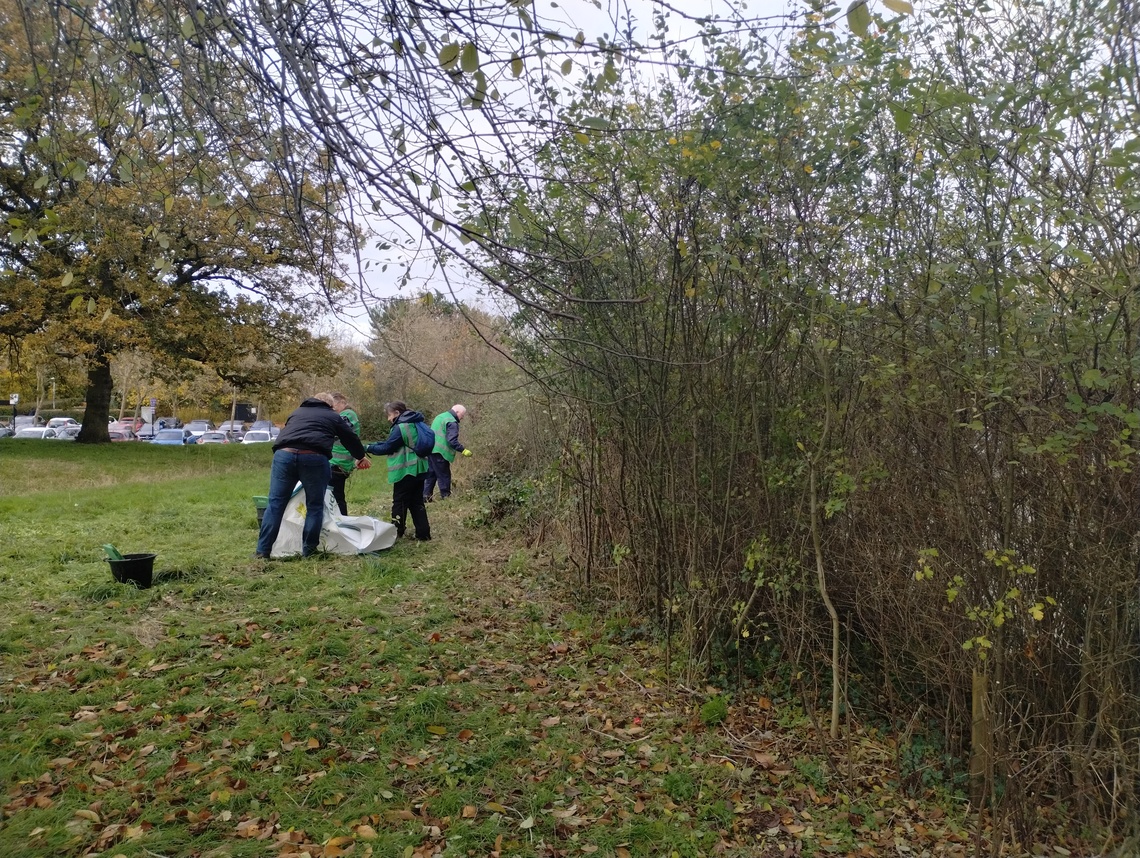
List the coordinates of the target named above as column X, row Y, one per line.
column 14, row 399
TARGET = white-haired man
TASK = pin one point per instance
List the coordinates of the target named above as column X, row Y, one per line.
column 446, row 428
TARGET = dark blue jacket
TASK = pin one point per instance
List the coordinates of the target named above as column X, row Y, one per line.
column 453, row 434
column 395, row 440
column 315, row 426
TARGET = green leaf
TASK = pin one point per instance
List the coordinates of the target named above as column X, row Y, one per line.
column 480, row 93
column 470, row 59
column 596, row 122
column 567, row 67
column 580, row 39
column 76, row 303
column 516, row 65
column 448, row 55
column 900, row 6
column 610, row 73
column 902, row 117
column 66, row 281
column 517, row 228
column 90, row 306
column 859, row 17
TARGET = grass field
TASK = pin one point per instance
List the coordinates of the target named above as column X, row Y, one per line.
column 438, row 699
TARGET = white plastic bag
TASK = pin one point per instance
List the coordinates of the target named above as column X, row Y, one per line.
column 340, row 534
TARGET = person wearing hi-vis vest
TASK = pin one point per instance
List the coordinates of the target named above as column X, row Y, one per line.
column 446, row 428
column 342, row 462
column 406, row 470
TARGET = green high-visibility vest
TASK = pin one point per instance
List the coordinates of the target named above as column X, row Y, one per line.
column 439, row 427
column 404, row 462
column 341, row 458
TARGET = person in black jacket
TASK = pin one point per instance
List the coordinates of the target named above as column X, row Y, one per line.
column 301, row 453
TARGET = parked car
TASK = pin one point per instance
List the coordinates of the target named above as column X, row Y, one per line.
column 38, row 432
column 213, row 438
column 132, row 424
column 68, row 433
column 121, row 435
column 233, row 426
column 168, row 423
column 266, row 425
column 22, row 420
column 145, row 432
column 171, row 437
column 197, row 427
column 59, row 422
column 5, row 432
column 256, row 436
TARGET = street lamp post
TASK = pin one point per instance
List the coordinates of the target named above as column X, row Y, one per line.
column 53, row 393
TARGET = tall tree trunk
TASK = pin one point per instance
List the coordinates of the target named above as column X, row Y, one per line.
column 98, row 409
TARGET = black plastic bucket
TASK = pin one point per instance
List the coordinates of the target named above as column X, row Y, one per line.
column 261, row 503
column 137, row 569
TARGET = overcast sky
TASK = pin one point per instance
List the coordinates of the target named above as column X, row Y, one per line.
column 570, row 16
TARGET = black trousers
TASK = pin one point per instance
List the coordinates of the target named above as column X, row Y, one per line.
column 440, row 473
column 336, row 483
column 408, row 496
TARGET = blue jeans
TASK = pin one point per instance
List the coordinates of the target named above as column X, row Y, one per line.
column 312, row 470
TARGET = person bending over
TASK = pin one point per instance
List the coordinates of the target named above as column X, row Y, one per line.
column 301, row 454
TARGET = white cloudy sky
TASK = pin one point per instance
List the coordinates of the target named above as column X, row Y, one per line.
column 570, row 16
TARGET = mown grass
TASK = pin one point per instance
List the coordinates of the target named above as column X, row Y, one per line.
column 438, row 699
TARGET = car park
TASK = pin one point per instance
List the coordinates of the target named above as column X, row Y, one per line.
column 37, row 432
column 213, row 438
column 170, row 437
column 256, row 436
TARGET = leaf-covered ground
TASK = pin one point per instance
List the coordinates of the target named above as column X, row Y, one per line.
column 441, row 699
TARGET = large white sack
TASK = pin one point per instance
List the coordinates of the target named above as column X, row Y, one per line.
column 340, row 534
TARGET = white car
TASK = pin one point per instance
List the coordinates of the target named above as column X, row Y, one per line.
column 61, row 422
column 39, row 432
column 256, row 437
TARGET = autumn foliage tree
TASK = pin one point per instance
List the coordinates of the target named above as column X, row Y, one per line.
column 119, row 235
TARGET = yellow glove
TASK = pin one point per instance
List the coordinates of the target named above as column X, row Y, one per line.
column 466, row 452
